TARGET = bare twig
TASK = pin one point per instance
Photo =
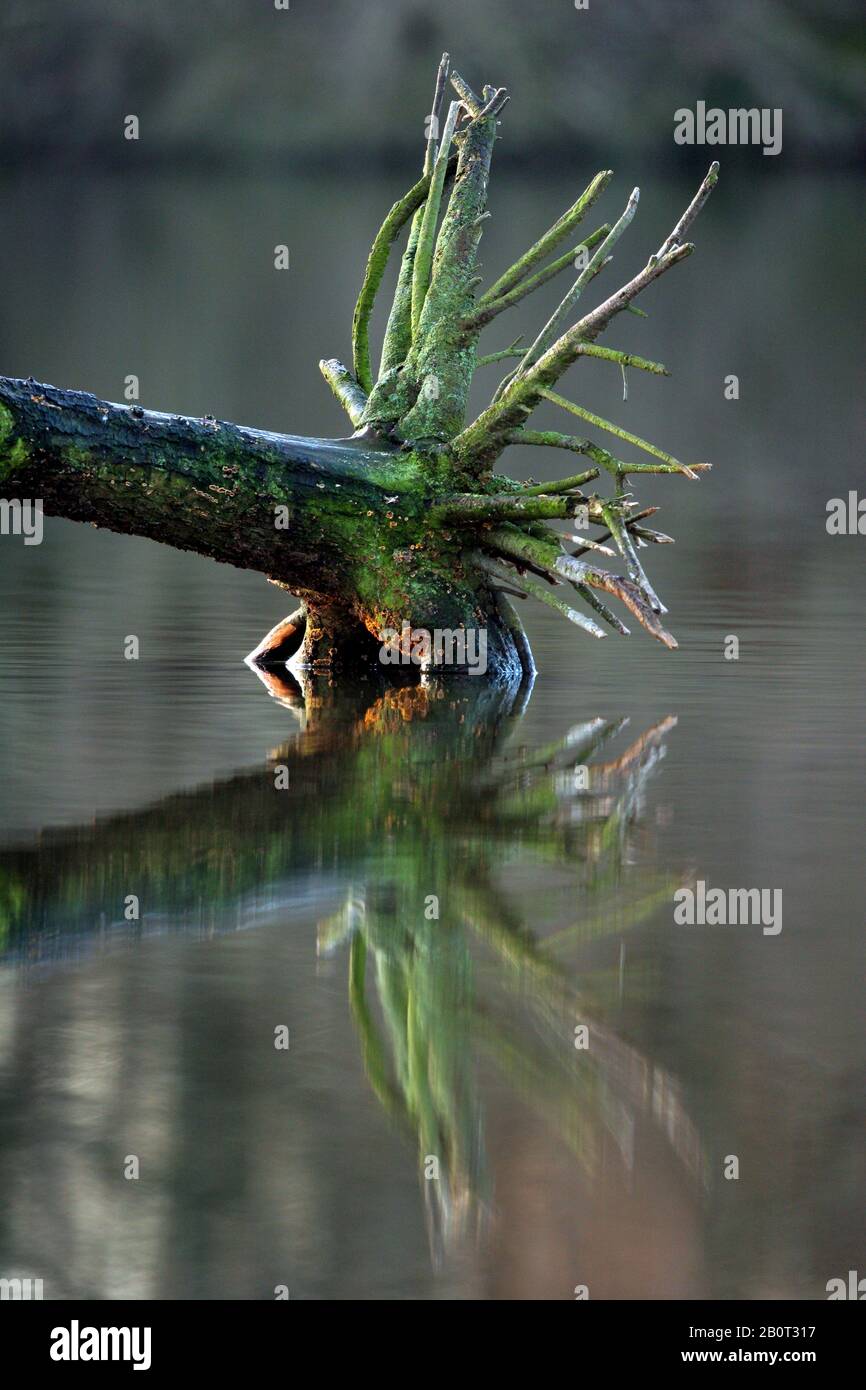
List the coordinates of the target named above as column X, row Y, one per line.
column 495, row 103
column 676, row 237
column 551, row 239
column 624, row 589
column 563, row 484
column 552, row 439
column 511, row 351
column 598, row 319
column 625, row 359
column 488, row 307
column 646, row 533
column 427, row 235
column 436, row 113
column 669, row 463
column 601, row 608
column 540, row 592
column 467, row 97
column 629, row 522
column 545, row 561
column 586, row 544
column 633, row 564
column 344, row 386
column 550, row 331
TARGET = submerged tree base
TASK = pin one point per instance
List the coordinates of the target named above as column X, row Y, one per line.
column 404, row 524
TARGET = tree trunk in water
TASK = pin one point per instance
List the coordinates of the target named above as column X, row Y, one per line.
column 402, row 529
column 335, row 521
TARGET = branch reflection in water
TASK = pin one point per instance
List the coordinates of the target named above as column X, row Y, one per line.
column 439, row 809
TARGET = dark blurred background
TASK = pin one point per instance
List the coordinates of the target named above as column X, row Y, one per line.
column 337, row 81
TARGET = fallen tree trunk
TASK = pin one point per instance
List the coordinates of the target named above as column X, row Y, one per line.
column 403, row 526
column 199, row 485
column 298, row 510
column 334, row 521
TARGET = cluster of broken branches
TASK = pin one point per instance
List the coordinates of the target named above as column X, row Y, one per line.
column 436, row 320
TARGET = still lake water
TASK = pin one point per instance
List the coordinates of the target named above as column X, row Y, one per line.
column 304, row 908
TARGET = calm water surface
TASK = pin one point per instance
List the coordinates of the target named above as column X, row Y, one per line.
column 432, row 1131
